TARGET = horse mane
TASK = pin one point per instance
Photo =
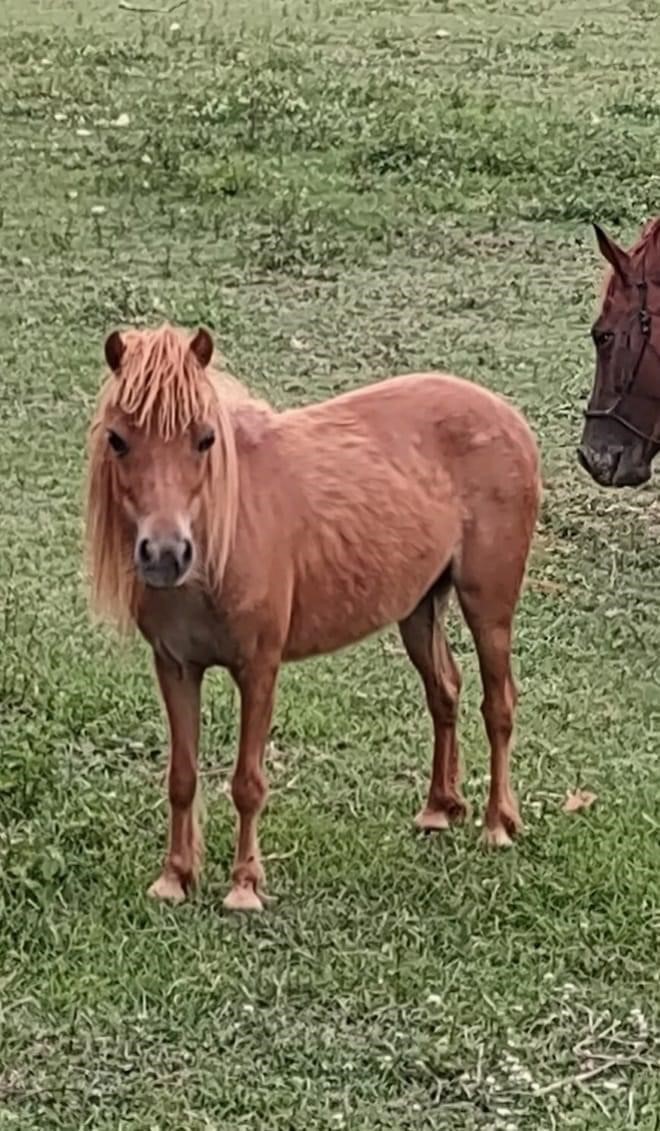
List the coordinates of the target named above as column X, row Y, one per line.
column 162, row 390
column 647, row 238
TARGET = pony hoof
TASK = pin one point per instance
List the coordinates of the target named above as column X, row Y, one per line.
column 497, row 837
column 452, row 810
column 242, row 897
column 431, row 820
column 167, row 888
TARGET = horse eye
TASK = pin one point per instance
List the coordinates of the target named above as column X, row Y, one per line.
column 118, row 445
column 206, row 442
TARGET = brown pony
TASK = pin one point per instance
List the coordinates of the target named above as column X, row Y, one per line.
column 621, row 435
column 235, row 535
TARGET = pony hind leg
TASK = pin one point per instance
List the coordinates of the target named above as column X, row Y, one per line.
column 488, row 591
column 425, row 642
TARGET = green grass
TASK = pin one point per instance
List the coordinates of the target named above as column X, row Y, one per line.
column 342, row 191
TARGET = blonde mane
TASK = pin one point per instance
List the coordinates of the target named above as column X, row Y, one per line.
column 163, row 390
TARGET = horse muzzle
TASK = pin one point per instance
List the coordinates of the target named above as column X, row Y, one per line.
column 613, row 467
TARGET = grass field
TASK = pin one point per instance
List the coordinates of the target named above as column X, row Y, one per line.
column 341, row 191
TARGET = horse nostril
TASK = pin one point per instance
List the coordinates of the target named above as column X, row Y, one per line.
column 144, row 551
column 186, row 553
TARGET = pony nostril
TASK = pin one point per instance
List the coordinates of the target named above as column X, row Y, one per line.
column 160, row 559
column 144, row 551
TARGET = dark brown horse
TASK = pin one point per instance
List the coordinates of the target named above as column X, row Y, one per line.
column 234, row 535
column 621, row 435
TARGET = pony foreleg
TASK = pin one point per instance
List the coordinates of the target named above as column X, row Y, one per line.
column 249, row 787
column 181, row 691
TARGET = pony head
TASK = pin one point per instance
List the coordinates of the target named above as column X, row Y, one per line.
column 161, row 447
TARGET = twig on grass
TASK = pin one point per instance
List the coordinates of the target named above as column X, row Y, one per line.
column 126, row 7
column 597, row 1070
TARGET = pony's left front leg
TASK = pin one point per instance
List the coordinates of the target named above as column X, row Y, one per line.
column 181, row 691
column 256, row 684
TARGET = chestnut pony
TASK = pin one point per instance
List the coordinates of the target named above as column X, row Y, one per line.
column 621, row 435
column 235, row 535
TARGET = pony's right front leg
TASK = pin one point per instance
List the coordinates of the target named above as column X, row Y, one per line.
column 181, row 691
column 256, row 684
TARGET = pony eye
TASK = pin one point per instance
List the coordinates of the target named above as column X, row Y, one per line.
column 206, row 442
column 118, row 445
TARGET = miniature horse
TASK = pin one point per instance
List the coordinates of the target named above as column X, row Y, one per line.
column 235, row 535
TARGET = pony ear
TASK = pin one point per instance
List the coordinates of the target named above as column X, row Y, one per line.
column 202, row 347
column 114, row 350
column 618, row 259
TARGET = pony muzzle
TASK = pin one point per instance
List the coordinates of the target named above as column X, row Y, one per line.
column 163, row 562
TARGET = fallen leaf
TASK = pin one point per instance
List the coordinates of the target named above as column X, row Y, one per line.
column 577, row 800
column 545, row 585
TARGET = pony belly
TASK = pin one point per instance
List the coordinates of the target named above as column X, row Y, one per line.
column 327, row 618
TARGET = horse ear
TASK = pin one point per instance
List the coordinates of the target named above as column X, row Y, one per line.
column 202, row 347
column 618, row 259
column 114, row 350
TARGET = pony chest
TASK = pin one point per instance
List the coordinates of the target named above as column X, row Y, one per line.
column 183, row 625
